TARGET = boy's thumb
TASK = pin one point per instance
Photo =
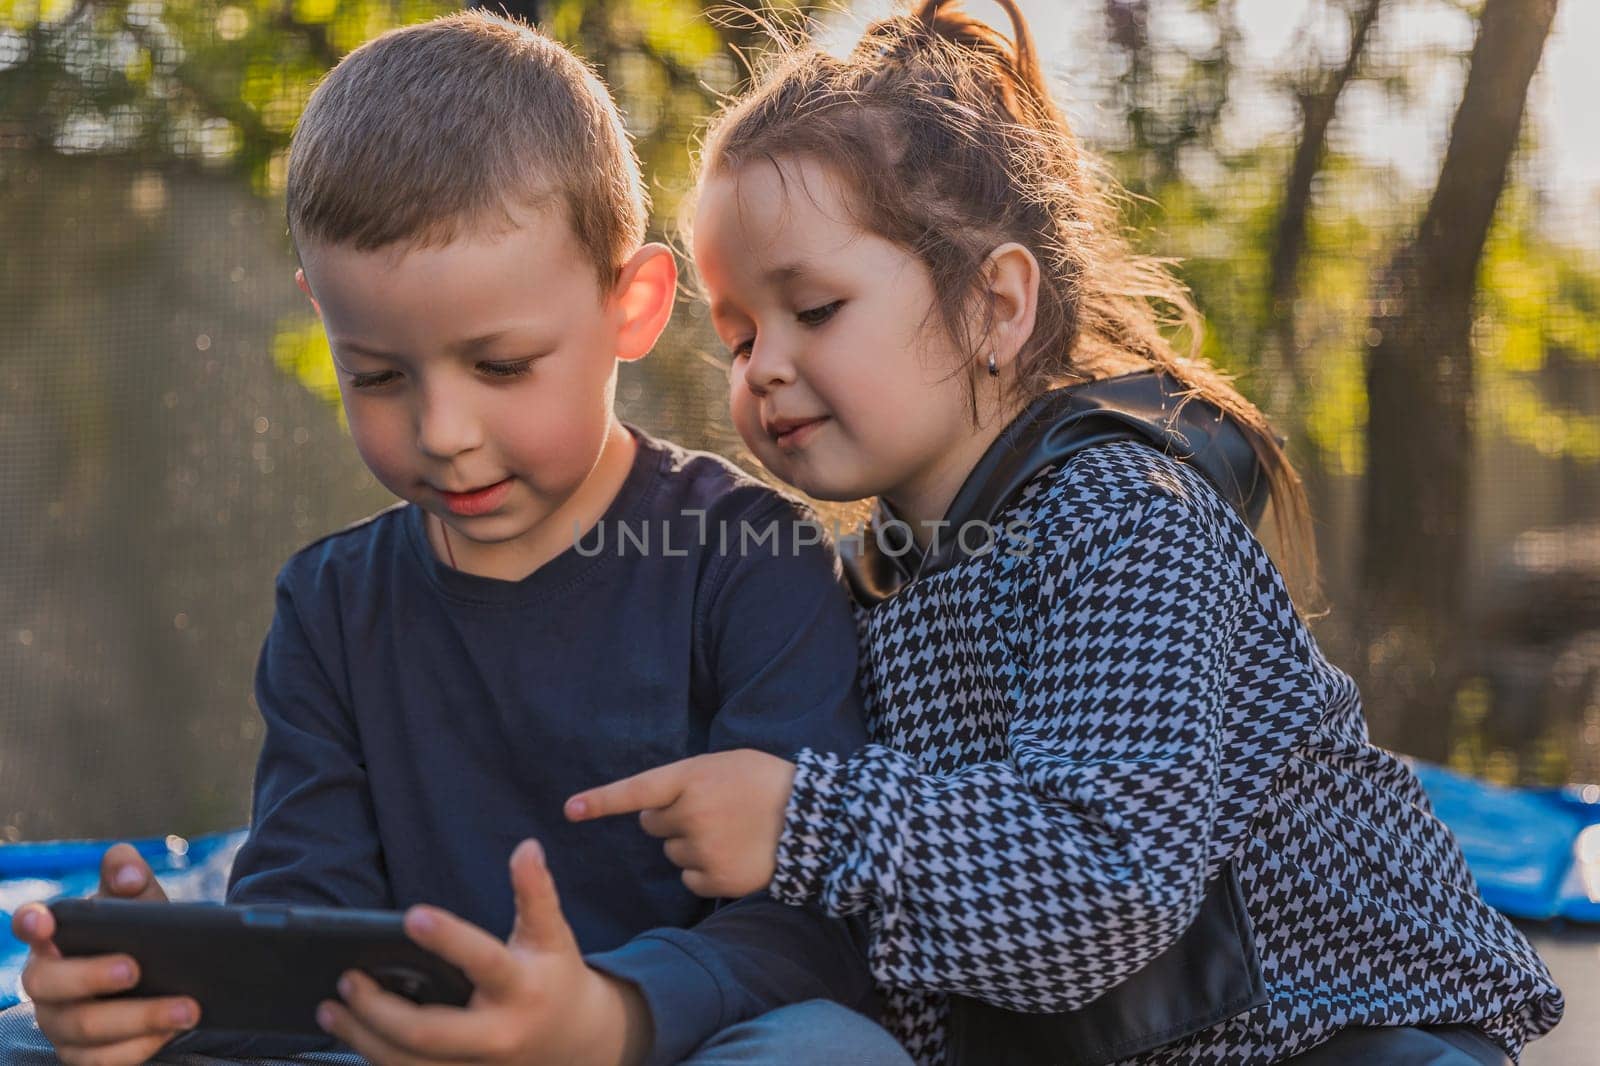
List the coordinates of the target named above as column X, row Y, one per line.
column 125, row 875
column 540, row 924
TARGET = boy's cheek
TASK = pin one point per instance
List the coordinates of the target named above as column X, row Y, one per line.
column 383, row 449
column 553, row 445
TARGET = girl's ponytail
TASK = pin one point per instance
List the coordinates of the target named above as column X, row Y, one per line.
column 1024, row 86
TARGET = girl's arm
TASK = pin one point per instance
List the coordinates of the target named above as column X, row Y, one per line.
column 1038, row 881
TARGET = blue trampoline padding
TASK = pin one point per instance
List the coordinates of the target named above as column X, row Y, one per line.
column 194, row 870
column 1523, row 844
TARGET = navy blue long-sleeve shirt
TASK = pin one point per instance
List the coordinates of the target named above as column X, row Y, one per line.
column 421, row 721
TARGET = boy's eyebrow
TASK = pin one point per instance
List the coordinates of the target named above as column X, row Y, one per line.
column 463, row 347
column 472, row 344
column 356, row 347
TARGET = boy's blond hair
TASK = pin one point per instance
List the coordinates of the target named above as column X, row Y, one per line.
column 449, row 126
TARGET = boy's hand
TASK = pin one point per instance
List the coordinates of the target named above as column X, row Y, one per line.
column 85, row 1028
column 720, row 814
column 534, row 1001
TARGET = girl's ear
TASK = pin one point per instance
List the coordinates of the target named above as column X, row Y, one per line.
column 1011, row 292
column 645, row 290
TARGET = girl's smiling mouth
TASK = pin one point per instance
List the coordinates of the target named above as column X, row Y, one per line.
column 791, row 433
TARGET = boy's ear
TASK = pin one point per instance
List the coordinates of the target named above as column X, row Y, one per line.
column 1012, row 291
column 646, row 288
column 305, row 287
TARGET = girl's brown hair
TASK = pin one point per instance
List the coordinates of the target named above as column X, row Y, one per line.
column 946, row 135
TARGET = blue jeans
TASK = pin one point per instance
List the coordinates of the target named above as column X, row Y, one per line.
column 816, row 1033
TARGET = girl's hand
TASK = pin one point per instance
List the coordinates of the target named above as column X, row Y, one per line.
column 720, row 815
column 535, row 1000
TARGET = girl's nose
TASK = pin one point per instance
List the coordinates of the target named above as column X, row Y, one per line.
column 769, row 366
column 447, row 425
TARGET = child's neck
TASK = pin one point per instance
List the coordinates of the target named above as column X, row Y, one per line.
column 925, row 502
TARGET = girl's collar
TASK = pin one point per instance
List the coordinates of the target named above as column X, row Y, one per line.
column 1147, row 406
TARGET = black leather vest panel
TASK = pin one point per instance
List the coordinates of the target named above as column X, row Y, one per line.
column 1208, row 975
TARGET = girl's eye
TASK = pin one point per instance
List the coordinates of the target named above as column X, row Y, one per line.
column 514, row 369
column 374, row 380
column 816, row 316
column 742, row 350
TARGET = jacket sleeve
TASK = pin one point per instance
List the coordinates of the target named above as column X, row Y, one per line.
column 1037, row 882
column 779, row 640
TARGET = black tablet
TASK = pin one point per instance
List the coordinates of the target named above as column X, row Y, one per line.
column 260, row 968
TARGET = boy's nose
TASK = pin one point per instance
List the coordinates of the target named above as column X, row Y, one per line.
column 446, row 427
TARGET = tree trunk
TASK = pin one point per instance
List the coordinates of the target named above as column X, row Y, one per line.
column 1285, row 386
column 1420, row 399
column 1317, row 107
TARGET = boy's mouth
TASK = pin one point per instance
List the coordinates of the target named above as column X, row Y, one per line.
column 477, row 501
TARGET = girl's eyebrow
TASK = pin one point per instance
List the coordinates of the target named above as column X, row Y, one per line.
column 787, row 272
column 776, row 276
column 721, row 311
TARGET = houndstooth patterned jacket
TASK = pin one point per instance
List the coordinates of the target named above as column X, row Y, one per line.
column 1078, row 731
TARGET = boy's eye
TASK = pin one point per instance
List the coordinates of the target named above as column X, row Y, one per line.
column 514, row 369
column 373, row 380
column 742, row 350
column 816, row 316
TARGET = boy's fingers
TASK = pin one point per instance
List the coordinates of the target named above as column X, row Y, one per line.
column 34, row 925
column 127, row 1053
column 125, row 875
column 480, row 956
column 336, row 1019
column 653, row 788
column 66, row 980
column 95, row 1025
column 540, row 923
column 432, row 1032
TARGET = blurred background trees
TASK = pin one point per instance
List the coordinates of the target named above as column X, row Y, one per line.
column 1364, row 194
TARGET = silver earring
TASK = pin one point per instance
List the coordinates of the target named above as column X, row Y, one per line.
column 994, row 371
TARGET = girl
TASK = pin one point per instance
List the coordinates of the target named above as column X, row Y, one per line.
column 1119, row 806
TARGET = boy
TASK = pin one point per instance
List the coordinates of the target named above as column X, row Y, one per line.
column 558, row 601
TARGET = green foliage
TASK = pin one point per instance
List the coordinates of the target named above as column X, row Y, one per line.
column 180, row 81
column 1213, row 202
column 219, row 85
column 300, row 351
column 1538, row 301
